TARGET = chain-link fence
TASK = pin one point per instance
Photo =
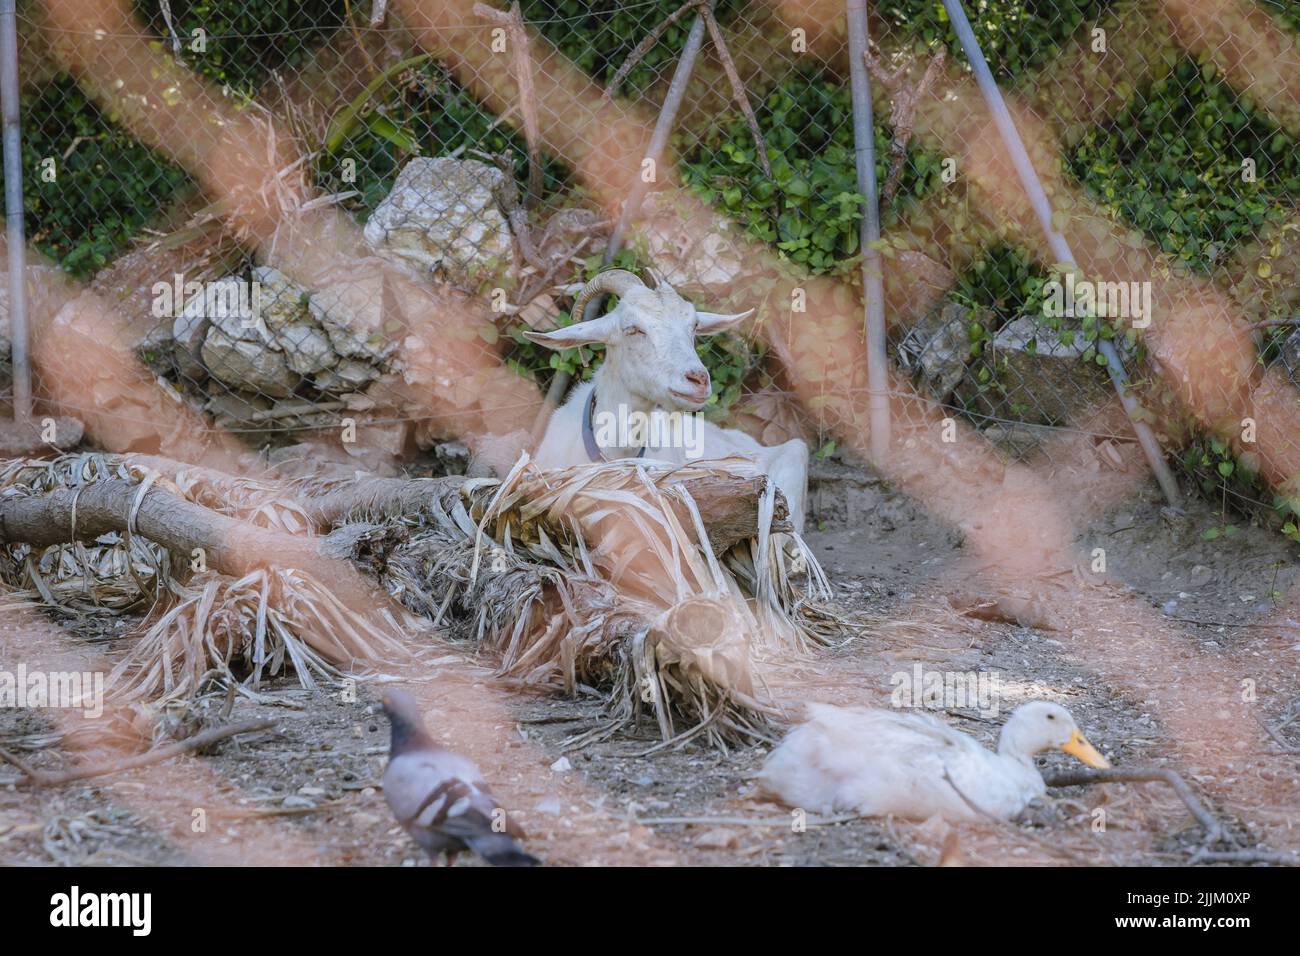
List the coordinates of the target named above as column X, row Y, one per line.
column 289, row 218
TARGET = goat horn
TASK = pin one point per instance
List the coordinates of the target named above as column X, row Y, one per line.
column 660, row 282
column 614, row 282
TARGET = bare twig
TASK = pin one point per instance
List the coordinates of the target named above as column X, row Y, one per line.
column 166, row 8
column 705, row 8
column 744, row 821
column 39, row 778
column 902, row 115
column 522, row 64
column 648, row 41
column 1077, row 778
column 1204, row 855
column 1277, row 738
column 737, row 87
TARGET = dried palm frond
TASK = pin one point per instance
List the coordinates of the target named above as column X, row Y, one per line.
column 604, row 576
column 114, row 573
column 612, row 576
column 201, row 624
column 263, row 620
column 647, row 539
column 560, row 628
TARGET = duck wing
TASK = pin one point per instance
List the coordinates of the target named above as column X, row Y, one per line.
column 874, row 762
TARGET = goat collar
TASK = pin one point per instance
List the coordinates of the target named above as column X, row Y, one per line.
column 594, row 451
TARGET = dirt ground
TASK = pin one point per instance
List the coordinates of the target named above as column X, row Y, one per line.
column 307, row 791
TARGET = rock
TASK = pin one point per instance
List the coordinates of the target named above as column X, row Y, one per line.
column 717, row 838
column 388, row 438
column 188, row 331
column 1022, row 441
column 688, row 245
column 249, row 363
column 351, row 310
column 241, row 351
column 452, row 454
column 1046, row 382
column 550, row 806
column 937, row 347
column 442, row 215
column 235, row 409
column 35, row 437
column 562, row 765
column 294, row 322
column 347, row 376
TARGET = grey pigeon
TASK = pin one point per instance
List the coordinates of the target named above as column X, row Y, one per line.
column 440, row 798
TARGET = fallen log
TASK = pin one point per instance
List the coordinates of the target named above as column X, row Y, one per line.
column 728, row 504
column 226, row 544
column 40, row 778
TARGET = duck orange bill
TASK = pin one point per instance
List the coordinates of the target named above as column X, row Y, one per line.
column 1077, row 746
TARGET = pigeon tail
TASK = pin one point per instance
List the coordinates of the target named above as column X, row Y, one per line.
column 474, row 829
column 499, row 849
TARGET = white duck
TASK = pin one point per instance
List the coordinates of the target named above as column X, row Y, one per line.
column 881, row 762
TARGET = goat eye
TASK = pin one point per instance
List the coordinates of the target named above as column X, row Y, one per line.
column 636, row 330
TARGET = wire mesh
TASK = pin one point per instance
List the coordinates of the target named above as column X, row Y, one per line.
column 290, row 216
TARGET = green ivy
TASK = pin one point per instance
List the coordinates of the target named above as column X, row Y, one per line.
column 426, row 113
column 810, row 208
column 1233, row 482
column 1004, row 281
column 598, row 36
column 245, row 39
column 105, row 189
column 1286, row 10
column 1014, row 36
column 1172, row 165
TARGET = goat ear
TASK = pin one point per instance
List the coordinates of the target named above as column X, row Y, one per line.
column 596, row 332
column 713, row 322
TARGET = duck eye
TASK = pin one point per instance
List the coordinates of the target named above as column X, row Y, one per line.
column 1051, row 716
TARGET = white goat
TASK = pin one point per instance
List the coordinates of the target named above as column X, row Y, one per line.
column 640, row 402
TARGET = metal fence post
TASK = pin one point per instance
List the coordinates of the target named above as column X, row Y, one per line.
column 872, row 279
column 1056, row 242
column 16, row 241
column 632, row 205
